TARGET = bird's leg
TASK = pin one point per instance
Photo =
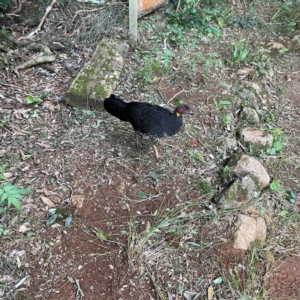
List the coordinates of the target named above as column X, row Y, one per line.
column 137, row 139
column 157, row 156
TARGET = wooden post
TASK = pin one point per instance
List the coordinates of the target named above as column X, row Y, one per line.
column 133, row 21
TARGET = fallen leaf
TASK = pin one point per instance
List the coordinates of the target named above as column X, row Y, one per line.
column 210, row 293
column 148, row 225
column 47, row 201
column 22, row 155
column 43, row 145
column 23, row 228
column 78, row 200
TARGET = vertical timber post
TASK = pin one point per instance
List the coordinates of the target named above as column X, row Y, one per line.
column 133, row 21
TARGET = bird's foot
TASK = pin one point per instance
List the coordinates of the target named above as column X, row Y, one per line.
column 157, row 156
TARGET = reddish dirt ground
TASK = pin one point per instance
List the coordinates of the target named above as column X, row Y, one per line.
column 89, row 260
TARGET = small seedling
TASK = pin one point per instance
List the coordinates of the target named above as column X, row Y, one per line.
column 196, row 156
column 101, row 235
column 227, row 173
column 239, row 52
column 34, row 100
column 274, row 186
column 5, row 121
column 2, row 171
column 270, row 118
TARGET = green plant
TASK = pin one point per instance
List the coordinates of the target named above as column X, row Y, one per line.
column 5, row 4
column 261, row 62
column 32, row 115
column 2, row 171
column 270, row 118
column 286, row 16
column 227, row 173
column 234, row 280
column 10, row 195
column 239, row 52
column 5, row 121
column 190, row 17
column 43, row 95
column 277, row 141
column 33, row 100
column 244, row 21
column 82, row 114
column 196, row 156
column 274, row 185
column 221, row 104
column 227, row 120
column 203, row 187
column 153, row 64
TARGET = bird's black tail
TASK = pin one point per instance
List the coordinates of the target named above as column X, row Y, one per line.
column 115, row 106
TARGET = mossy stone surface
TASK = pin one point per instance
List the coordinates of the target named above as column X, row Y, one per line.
column 99, row 77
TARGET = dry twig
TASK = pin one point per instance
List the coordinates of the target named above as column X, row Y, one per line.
column 48, row 9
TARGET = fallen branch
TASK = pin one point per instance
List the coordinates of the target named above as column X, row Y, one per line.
column 48, row 9
column 182, row 91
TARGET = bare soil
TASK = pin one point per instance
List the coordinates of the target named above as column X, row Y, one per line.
column 87, row 165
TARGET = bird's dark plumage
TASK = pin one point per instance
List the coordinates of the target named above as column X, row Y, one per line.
column 115, row 106
column 153, row 120
column 145, row 118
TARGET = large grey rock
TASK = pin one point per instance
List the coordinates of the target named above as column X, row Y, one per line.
column 239, row 193
column 257, row 139
column 250, row 115
column 250, row 229
column 248, row 165
column 99, row 77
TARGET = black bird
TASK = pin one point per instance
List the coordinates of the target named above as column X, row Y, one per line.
column 148, row 119
column 115, row 106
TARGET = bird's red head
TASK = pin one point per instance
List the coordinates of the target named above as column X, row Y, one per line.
column 183, row 110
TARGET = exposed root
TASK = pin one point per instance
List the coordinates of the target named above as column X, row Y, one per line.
column 37, row 59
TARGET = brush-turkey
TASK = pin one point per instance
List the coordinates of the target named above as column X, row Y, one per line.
column 147, row 119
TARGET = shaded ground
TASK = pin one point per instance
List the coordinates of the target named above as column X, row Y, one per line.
column 86, row 164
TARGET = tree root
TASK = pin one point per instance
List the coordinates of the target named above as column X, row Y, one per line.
column 49, row 57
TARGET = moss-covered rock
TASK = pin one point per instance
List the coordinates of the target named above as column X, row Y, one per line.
column 99, row 77
column 239, row 193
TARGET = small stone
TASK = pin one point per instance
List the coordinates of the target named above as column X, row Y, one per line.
column 229, row 143
column 248, row 165
column 250, row 229
column 257, row 139
column 250, row 115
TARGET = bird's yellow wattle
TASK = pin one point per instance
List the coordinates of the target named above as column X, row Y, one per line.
column 178, row 114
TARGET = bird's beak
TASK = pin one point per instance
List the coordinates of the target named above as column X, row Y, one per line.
column 189, row 112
